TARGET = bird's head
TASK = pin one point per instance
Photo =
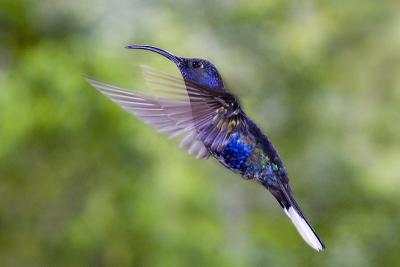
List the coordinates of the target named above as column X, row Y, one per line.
column 197, row 70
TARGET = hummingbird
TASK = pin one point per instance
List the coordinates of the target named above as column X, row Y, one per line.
column 199, row 108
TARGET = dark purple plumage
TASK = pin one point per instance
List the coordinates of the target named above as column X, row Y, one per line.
column 212, row 123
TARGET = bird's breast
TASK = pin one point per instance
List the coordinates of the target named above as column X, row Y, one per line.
column 243, row 154
column 236, row 152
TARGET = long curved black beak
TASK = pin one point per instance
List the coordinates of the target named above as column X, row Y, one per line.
column 164, row 53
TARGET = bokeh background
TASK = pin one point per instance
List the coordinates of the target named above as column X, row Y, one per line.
column 83, row 183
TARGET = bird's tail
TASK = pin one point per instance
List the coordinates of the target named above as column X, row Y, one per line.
column 292, row 210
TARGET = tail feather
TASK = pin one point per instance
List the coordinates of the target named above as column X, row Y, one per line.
column 293, row 211
column 304, row 229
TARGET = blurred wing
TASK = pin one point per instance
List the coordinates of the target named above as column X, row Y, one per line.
column 198, row 114
column 215, row 114
column 161, row 114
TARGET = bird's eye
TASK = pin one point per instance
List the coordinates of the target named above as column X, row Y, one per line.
column 196, row 64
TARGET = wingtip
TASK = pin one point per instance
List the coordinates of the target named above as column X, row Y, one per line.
column 95, row 84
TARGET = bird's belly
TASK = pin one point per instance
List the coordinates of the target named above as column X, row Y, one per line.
column 236, row 152
column 243, row 155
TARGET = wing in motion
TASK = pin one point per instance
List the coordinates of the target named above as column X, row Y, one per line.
column 204, row 117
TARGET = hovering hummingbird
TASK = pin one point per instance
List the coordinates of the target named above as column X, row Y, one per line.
column 201, row 109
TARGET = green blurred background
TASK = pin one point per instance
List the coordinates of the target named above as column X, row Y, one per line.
column 83, row 183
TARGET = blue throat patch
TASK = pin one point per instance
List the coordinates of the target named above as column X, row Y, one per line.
column 236, row 152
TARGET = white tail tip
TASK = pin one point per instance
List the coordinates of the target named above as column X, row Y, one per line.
column 304, row 229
